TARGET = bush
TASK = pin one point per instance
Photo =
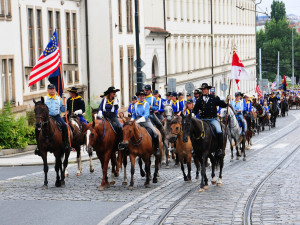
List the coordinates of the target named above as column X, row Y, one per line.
column 88, row 110
column 14, row 133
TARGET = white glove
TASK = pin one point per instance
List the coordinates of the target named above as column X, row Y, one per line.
column 193, row 114
column 141, row 120
column 227, row 100
column 100, row 115
column 64, row 95
column 131, row 119
column 78, row 112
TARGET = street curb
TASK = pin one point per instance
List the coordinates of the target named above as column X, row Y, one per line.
column 6, row 153
column 40, row 164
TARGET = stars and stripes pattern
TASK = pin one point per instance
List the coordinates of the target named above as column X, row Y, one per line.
column 258, row 91
column 48, row 62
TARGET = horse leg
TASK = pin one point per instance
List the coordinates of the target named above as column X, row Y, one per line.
column 46, row 168
column 189, row 166
column 91, row 161
column 57, row 168
column 237, row 150
column 113, row 168
column 167, row 156
column 182, row 169
column 148, row 172
column 231, row 148
column 197, row 164
column 132, row 160
column 176, row 160
column 243, row 148
column 125, row 165
column 213, row 175
column 65, row 166
column 157, row 161
column 105, row 160
column 203, row 173
column 142, row 172
column 79, row 168
column 221, row 164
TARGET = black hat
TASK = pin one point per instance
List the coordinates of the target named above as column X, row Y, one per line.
column 140, row 93
column 51, row 86
column 110, row 90
column 168, row 94
column 190, row 101
column 188, row 95
column 73, row 90
column 155, row 92
column 147, row 87
column 174, row 94
column 205, row 85
column 237, row 94
column 197, row 91
column 180, row 94
column 134, row 98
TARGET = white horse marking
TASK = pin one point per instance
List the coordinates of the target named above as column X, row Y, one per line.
column 75, row 124
column 88, row 133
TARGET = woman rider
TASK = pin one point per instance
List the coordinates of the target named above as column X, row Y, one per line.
column 109, row 110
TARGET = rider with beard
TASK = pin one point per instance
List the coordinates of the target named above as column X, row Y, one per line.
column 206, row 106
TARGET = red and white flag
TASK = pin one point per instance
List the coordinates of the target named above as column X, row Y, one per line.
column 238, row 71
column 258, row 91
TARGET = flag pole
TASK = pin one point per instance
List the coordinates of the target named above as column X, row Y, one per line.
column 226, row 123
column 60, row 79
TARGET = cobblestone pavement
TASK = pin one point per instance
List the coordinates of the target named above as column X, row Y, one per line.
column 218, row 205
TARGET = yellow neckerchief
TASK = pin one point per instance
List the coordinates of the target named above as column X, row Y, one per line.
column 141, row 103
column 108, row 102
column 53, row 97
column 188, row 111
column 174, row 103
column 248, row 102
column 72, row 99
column 148, row 96
column 182, row 100
column 157, row 100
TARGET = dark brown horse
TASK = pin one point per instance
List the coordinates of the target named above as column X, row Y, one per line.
column 139, row 143
column 50, row 140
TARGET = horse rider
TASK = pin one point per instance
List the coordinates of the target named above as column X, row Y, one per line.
column 182, row 102
column 238, row 106
column 108, row 109
column 130, row 107
column 55, row 106
column 272, row 98
column 169, row 98
column 197, row 94
column 141, row 115
column 175, row 104
column 153, row 108
column 267, row 109
column 188, row 109
column 247, row 110
column 159, row 102
column 206, row 106
column 188, row 97
column 75, row 105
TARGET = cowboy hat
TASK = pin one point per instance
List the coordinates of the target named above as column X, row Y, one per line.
column 73, row 90
column 205, row 85
column 110, row 90
column 140, row 93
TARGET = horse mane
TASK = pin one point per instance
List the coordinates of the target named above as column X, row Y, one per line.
column 127, row 123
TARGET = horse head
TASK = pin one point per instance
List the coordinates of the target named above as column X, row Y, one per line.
column 130, row 131
column 41, row 113
column 186, row 127
column 176, row 129
column 168, row 111
column 94, row 114
column 91, row 136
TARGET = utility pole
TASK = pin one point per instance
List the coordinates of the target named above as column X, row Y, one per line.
column 293, row 58
column 139, row 76
column 278, row 69
column 260, row 73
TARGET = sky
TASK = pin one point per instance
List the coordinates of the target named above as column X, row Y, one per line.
column 292, row 6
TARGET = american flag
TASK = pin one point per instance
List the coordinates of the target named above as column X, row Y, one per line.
column 48, row 62
column 258, row 91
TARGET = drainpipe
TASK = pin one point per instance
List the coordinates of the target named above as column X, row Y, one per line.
column 87, row 48
column 165, row 27
column 212, row 43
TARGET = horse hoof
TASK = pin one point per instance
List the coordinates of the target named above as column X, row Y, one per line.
column 231, row 160
column 143, row 174
column 176, row 165
column 197, row 177
column 45, row 187
column 189, row 181
column 167, row 167
column 116, row 175
column 101, row 188
column 201, row 190
column 130, row 188
column 92, row 170
column 112, row 183
column 206, row 187
column 185, row 179
column 107, row 185
column 124, row 183
column 214, row 182
column 157, row 175
column 237, row 158
column 219, row 184
column 58, row 183
column 147, row 186
column 244, row 159
column 78, row 174
column 66, row 175
column 154, row 180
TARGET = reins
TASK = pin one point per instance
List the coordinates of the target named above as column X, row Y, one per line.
column 202, row 135
column 139, row 141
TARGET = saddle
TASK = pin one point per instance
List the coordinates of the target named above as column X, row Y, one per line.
column 58, row 124
column 213, row 129
column 113, row 125
column 149, row 131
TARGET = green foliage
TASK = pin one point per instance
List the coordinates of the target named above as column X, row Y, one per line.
column 278, row 10
column 14, row 132
column 88, row 110
column 278, row 37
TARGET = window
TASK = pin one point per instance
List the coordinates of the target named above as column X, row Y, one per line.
column 130, row 54
column 50, row 23
column 39, row 39
column 31, row 38
column 75, row 45
column 5, row 9
column 57, row 26
column 70, row 77
column 68, row 37
column 7, row 80
column 120, row 16
column 129, row 16
column 122, row 76
column 1, row 8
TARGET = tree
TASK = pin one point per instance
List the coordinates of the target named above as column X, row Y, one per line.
column 278, row 10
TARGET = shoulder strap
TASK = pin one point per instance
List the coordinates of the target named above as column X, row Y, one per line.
column 104, row 103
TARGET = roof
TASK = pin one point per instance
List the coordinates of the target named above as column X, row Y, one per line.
column 157, row 30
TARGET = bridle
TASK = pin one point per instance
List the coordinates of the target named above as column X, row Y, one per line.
column 139, row 141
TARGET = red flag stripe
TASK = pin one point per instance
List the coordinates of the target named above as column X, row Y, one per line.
column 49, row 70
column 45, row 67
column 42, row 77
column 43, row 61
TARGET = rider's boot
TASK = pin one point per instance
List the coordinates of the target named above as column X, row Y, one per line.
column 220, row 141
column 156, row 146
column 121, row 147
column 67, row 146
column 37, row 150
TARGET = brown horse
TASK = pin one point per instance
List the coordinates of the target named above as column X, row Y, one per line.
column 139, row 143
column 184, row 149
column 50, row 140
column 78, row 142
column 101, row 137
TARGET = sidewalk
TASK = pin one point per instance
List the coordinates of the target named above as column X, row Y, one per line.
column 32, row 160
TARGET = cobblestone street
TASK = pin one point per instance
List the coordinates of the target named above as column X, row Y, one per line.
column 277, row 201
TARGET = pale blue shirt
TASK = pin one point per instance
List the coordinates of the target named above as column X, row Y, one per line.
column 141, row 110
column 238, row 105
column 55, row 106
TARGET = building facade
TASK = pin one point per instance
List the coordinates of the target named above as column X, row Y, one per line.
column 204, row 34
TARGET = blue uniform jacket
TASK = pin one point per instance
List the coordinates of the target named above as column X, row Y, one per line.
column 55, row 105
column 248, row 107
column 107, row 106
column 151, row 101
column 159, row 103
column 237, row 105
column 175, row 106
column 130, row 107
column 182, row 103
column 141, row 109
